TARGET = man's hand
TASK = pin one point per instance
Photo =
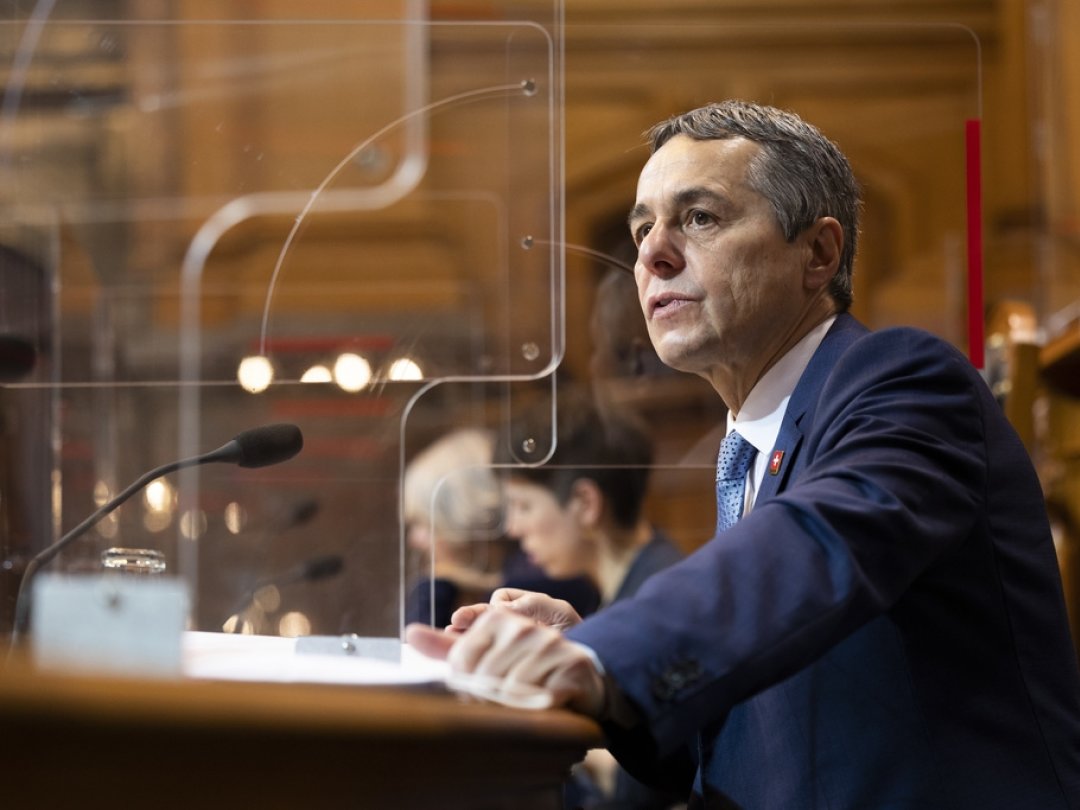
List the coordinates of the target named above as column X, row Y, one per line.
column 555, row 613
column 515, row 653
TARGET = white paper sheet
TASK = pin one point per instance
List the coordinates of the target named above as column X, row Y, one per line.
column 270, row 658
column 222, row 656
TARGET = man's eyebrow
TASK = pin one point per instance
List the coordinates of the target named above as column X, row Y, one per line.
column 639, row 211
column 700, row 194
column 683, row 198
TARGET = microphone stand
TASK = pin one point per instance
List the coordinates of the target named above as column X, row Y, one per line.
column 310, row 570
column 257, row 447
column 22, row 600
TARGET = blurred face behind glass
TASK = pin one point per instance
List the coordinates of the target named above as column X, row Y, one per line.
column 418, row 533
column 422, row 537
column 549, row 533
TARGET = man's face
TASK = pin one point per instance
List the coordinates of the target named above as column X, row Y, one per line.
column 548, row 532
column 718, row 283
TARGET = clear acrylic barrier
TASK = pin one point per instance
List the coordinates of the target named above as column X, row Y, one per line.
column 313, row 201
column 364, row 221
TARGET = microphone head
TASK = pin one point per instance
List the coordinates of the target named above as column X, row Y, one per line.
column 263, row 446
column 322, row 567
column 17, row 357
column 302, row 512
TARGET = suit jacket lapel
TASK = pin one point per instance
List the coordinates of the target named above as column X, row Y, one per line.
column 803, row 401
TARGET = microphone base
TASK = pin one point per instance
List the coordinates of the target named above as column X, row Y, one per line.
column 384, row 649
column 109, row 623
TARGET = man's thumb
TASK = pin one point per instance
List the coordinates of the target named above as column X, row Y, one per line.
column 429, row 641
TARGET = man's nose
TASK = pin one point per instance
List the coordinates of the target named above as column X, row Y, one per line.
column 660, row 252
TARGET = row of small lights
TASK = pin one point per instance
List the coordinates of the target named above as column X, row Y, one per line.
column 159, row 507
column 351, row 372
column 293, row 624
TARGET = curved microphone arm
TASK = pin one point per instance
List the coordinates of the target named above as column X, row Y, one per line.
column 22, row 601
column 257, row 447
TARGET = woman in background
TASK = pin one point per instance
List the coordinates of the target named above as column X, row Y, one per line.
column 454, row 524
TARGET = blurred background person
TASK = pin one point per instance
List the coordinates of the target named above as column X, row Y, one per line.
column 454, row 531
column 685, row 418
column 582, row 514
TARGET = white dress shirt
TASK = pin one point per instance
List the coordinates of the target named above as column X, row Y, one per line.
column 763, row 412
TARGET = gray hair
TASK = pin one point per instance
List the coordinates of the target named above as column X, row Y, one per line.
column 800, row 172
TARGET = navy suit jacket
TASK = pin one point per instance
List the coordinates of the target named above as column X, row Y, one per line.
column 886, row 629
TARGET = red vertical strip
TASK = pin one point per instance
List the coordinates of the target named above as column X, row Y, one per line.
column 976, row 327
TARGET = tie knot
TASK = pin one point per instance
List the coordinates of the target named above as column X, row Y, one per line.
column 736, row 453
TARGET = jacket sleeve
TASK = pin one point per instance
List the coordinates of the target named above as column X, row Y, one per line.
column 890, row 473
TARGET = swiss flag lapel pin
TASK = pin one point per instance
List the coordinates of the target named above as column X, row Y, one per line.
column 775, row 462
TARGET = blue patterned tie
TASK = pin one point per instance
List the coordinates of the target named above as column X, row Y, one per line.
column 736, row 454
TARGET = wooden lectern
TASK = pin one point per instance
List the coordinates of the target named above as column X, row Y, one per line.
column 85, row 742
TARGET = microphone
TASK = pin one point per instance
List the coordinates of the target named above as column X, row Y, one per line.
column 286, row 517
column 257, row 447
column 302, row 512
column 310, row 570
column 315, row 568
column 17, row 357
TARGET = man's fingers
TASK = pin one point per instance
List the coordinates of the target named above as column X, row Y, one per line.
column 505, row 595
column 539, row 607
column 516, row 656
column 562, row 669
column 556, row 613
column 465, row 617
column 478, row 644
column 502, row 639
column 429, row 641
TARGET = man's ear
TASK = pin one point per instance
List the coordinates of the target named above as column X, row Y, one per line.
column 587, row 501
column 826, row 240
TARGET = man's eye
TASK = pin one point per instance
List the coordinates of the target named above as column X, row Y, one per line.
column 700, row 218
column 641, row 232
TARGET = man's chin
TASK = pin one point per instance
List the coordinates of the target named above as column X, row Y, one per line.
column 676, row 357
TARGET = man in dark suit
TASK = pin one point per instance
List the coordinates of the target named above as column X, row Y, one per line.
column 885, row 626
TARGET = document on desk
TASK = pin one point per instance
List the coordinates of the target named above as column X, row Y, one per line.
column 340, row 660
column 223, row 656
